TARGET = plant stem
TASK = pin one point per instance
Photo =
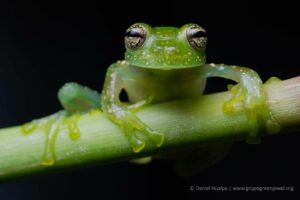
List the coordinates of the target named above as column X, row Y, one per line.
column 185, row 123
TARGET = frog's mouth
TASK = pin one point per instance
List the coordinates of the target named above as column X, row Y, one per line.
column 188, row 71
column 164, row 63
column 167, row 67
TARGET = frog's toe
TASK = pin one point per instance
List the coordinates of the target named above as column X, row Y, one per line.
column 29, row 127
column 228, row 106
column 51, row 129
column 258, row 113
column 136, row 144
column 237, row 96
column 253, row 127
column 272, row 125
column 48, row 162
column 157, row 138
column 74, row 132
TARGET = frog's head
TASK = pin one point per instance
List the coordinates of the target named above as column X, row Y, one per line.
column 165, row 47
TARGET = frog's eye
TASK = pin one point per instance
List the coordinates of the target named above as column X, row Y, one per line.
column 135, row 36
column 196, row 36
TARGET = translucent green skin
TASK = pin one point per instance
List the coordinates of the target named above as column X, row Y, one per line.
column 165, row 67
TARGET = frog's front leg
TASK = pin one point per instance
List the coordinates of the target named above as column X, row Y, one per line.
column 122, row 115
column 249, row 90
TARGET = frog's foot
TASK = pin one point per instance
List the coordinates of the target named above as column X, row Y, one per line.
column 256, row 108
column 138, row 141
column 136, row 132
column 52, row 126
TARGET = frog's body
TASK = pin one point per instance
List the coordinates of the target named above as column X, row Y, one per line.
column 161, row 63
column 161, row 85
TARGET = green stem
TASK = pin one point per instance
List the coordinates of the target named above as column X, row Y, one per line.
column 186, row 123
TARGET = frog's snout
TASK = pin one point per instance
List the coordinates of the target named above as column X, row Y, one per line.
column 166, row 49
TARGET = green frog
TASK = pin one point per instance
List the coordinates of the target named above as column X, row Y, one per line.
column 161, row 64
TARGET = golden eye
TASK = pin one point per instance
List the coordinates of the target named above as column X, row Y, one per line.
column 135, row 36
column 196, row 35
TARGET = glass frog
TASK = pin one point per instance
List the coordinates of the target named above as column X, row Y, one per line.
column 161, row 63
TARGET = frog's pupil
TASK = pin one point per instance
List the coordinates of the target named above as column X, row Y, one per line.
column 198, row 34
column 133, row 33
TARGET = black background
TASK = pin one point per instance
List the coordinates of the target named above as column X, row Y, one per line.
column 45, row 44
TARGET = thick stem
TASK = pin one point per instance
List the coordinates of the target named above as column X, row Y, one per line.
column 186, row 123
